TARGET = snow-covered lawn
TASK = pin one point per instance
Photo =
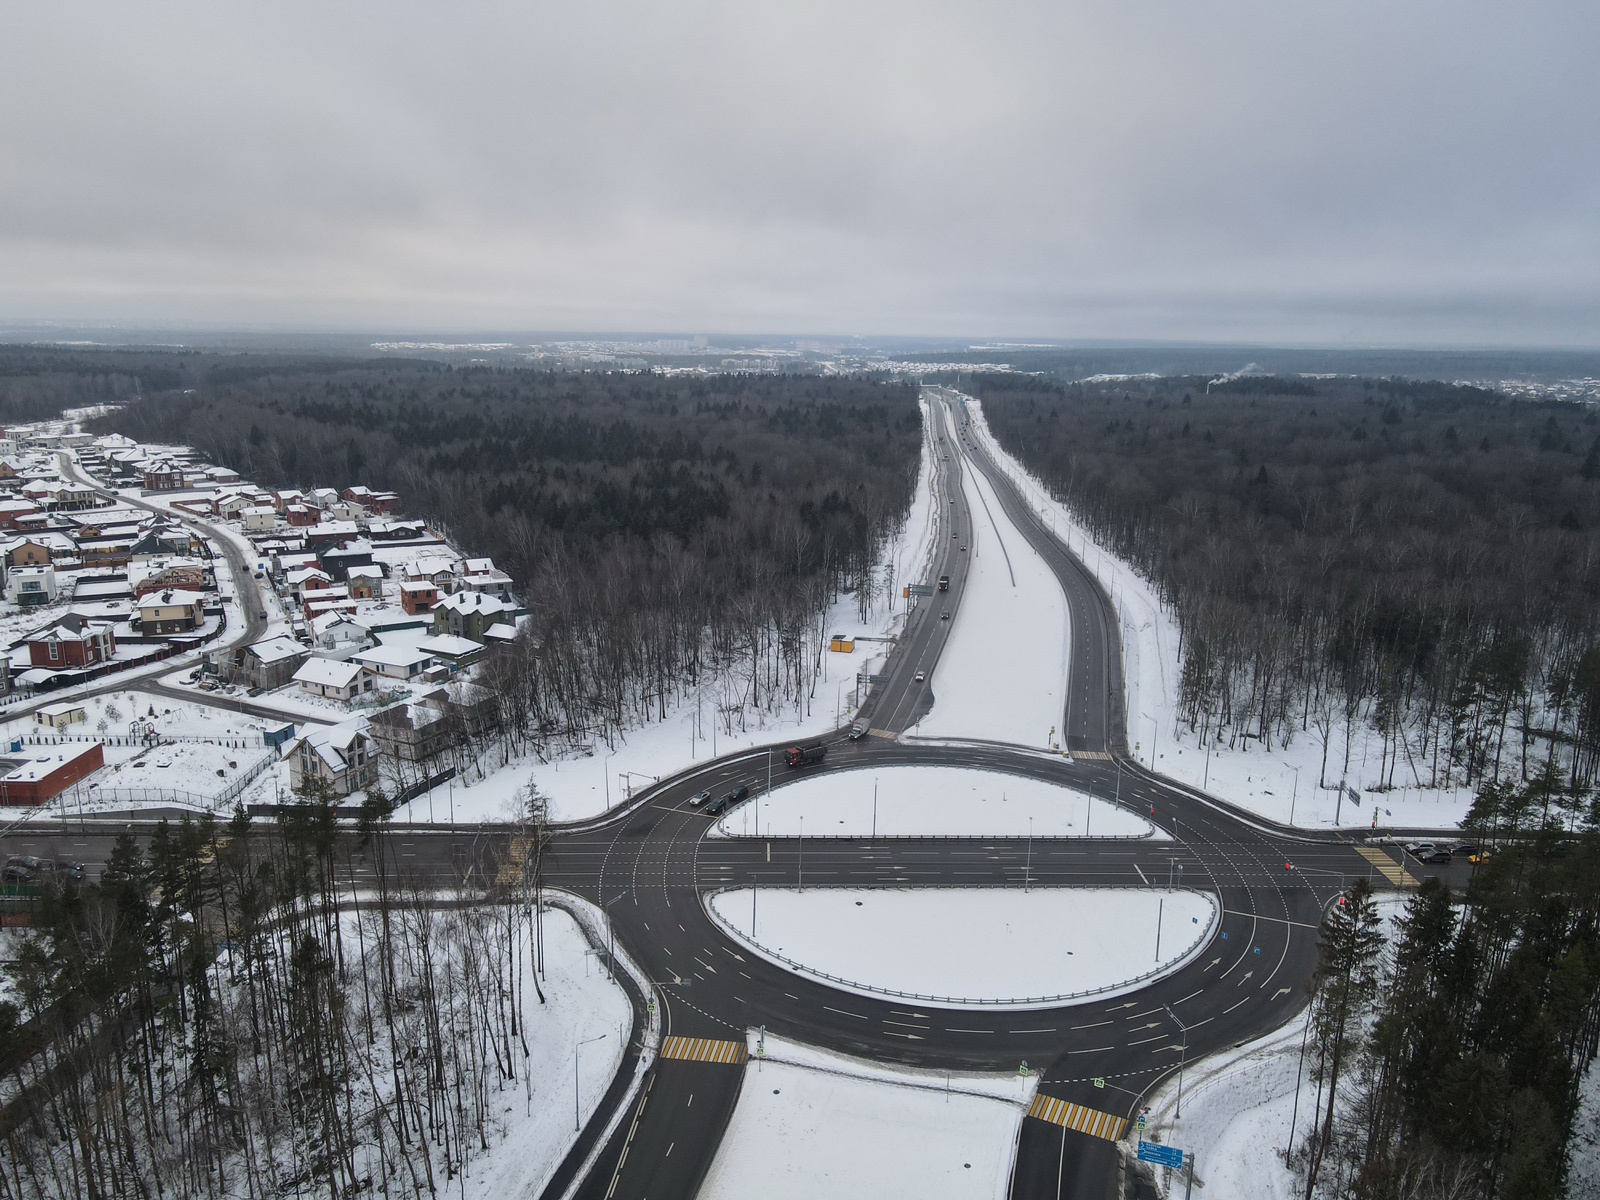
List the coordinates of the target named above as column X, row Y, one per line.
column 929, row 802
column 1002, row 675
column 589, row 781
column 1006, row 946
column 811, row 1123
column 1276, row 784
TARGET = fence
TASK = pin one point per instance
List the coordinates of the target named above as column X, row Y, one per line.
column 237, row 741
column 159, row 795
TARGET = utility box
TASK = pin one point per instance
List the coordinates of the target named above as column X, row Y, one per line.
column 843, row 643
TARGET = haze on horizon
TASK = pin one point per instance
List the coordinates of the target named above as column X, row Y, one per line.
column 1239, row 171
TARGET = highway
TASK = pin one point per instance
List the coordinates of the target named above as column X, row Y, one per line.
column 649, row 867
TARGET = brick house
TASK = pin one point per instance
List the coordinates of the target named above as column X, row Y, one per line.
column 73, row 642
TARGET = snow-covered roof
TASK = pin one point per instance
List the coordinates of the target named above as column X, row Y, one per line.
column 474, row 602
column 174, row 597
column 276, row 649
column 393, row 655
column 325, row 672
column 332, row 743
column 501, row 632
column 448, row 645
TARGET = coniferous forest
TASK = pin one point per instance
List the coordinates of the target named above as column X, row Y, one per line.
column 1420, row 557
column 674, row 537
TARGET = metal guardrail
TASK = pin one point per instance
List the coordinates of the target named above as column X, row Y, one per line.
column 972, row 1001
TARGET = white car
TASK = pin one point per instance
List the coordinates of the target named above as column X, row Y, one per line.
column 922, row 676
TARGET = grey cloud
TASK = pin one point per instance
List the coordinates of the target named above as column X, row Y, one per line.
column 1226, row 169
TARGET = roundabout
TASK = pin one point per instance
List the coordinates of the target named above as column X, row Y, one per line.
column 650, row 868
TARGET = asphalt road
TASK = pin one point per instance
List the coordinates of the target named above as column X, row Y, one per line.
column 650, row 866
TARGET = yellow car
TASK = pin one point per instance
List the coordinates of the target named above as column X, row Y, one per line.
column 1482, row 856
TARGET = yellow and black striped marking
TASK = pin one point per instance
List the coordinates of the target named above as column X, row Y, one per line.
column 1076, row 1116
column 703, row 1050
column 1387, row 867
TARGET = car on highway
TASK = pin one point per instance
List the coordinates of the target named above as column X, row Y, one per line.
column 858, row 731
column 922, row 676
column 699, row 798
column 1466, row 848
column 1417, row 849
column 945, row 615
column 963, row 545
column 1482, row 856
column 262, row 614
column 1438, row 855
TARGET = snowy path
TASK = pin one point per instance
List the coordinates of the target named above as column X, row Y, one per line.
column 810, row 1123
column 1000, row 946
column 930, row 802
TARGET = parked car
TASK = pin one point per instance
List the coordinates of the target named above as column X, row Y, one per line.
column 699, row 798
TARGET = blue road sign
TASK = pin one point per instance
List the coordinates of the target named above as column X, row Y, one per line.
column 1162, row 1156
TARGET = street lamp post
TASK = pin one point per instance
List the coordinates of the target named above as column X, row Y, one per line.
column 611, row 936
column 1183, row 1059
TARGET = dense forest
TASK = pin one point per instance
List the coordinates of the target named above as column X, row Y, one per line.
column 674, row 537
column 1447, row 1055
column 219, row 1016
column 1422, row 557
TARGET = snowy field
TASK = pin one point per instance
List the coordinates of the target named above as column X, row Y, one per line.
column 990, row 945
column 1277, row 784
column 1002, row 676
column 930, row 802
column 591, row 780
column 811, row 1123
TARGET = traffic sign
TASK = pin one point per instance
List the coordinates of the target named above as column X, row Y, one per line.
column 1162, row 1156
column 1100, row 1083
column 1140, row 1122
column 920, row 589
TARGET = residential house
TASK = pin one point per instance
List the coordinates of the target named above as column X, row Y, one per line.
column 456, row 651
column 29, row 552
column 59, row 716
column 268, row 664
column 336, row 631
column 173, row 610
column 73, row 641
column 334, row 680
column 301, row 514
column 164, row 475
column 31, row 585
column 259, row 518
column 10, row 510
column 413, row 733
column 366, row 582
column 489, row 583
column 334, row 760
column 337, row 560
column 399, row 662
column 470, row 614
column 418, row 597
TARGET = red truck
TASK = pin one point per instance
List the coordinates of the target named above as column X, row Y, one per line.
column 800, row 756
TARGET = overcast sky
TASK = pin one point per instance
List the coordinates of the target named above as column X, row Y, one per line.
column 1217, row 169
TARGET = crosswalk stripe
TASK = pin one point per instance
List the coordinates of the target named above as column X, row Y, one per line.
column 1094, row 755
column 1387, row 867
column 1075, row 1116
column 510, row 872
column 883, row 733
column 703, row 1050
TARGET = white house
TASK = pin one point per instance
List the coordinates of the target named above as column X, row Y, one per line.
column 259, row 518
column 401, row 662
column 31, row 585
column 334, row 680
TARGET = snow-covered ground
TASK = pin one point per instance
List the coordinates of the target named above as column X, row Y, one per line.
column 1583, row 1178
column 587, row 783
column 537, row 1129
column 1279, row 784
column 929, row 802
column 1002, row 946
column 1002, row 675
column 812, row 1123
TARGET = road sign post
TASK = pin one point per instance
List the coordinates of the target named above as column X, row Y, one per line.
column 1162, row 1156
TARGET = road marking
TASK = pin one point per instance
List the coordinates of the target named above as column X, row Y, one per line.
column 1231, row 1007
column 883, row 733
column 703, row 1050
column 949, row 1030
column 1030, row 1031
column 1075, row 1116
column 1094, row 755
column 1092, row 1050
column 1387, row 867
column 842, row 1013
column 1141, row 874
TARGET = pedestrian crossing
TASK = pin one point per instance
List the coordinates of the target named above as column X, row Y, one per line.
column 703, row 1050
column 883, row 733
column 1387, row 867
column 1091, row 755
column 1076, row 1116
column 510, row 873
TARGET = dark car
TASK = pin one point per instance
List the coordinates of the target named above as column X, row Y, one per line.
column 22, row 868
column 739, row 793
column 945, row 615
column 1441, row 855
